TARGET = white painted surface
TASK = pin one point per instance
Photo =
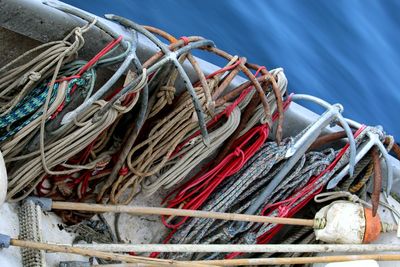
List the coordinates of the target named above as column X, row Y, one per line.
column 136, row 229
column 9, row 225
column 3, row 180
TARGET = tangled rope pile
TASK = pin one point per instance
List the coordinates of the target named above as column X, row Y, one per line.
column 85, row 149
column 155, row 131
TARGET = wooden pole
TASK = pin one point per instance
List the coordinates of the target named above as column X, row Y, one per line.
column 303, row 260
column 102, row 255
column 246, row 248
column 98, row 208
column 294, row 260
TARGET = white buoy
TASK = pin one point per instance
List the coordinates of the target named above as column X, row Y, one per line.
column 347, row 223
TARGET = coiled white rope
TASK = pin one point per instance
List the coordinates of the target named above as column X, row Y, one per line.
column 191, row 156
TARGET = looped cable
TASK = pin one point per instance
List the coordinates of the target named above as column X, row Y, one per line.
column 329, row 196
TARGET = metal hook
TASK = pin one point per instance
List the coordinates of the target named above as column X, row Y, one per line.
column 304, row 142
column 170, row 56
column 70, row 116
column 300, row 147
column 315, row 129
column 131, row 57
column 373, row 134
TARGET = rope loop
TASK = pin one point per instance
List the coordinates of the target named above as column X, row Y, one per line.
column 34, row 76
column 238, row 152
column 167, row 92
column 328, row 196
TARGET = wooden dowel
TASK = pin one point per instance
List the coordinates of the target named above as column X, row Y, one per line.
column 249, row 248
column 294, row 260
column 303, row 260
column 102, row 255
column 98, row 208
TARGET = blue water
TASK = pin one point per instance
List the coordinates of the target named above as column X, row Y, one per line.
column 344, row 51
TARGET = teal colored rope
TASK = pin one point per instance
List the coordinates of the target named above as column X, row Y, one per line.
column 29, row 108
column 32, row 105
column 28, row 105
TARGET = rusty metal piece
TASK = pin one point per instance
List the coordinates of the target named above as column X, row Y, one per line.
column 154, row 58
column 396, row 150
column 377, row 180
column 176, row 43
column 236, row 92
column 247, row 72
column 250, row 76
column 210, row 105
column 278, row 98
column 327, row 138
column 161, row 33
column 228, row 79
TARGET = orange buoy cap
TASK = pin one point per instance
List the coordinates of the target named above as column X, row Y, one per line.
column 372, row 226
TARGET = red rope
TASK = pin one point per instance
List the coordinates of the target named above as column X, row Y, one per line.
column 99, row 55
column 227, row 68
column 87, row 66
column 196, row 191
column 91, row 62
column 226, row 112
column 289, row 210
column 185, row 40
column 83, row 178
column 206, row 184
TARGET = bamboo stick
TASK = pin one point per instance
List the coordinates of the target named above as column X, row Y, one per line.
column 102, row 255
column 249, row 248
column 294, row 260
column 178, row 212
column 303, row 260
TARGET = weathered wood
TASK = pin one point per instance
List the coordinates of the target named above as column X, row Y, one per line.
column 100, row 254
column 246, row 248
column 98, row 208
column 303, row 260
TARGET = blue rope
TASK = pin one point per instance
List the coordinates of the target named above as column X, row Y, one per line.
column 30, row 107
column 32, row 103
column 29, row 104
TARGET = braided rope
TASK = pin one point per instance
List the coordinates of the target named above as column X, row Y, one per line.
column 355, row 188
